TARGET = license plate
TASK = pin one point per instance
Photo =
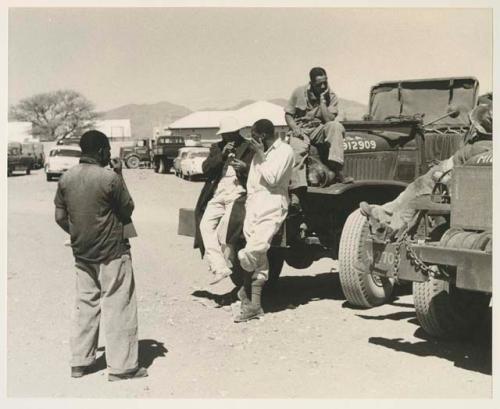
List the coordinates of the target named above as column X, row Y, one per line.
column 381, row 257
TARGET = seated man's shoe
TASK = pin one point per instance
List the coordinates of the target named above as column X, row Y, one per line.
column 249, row 312
column 138, row 373
column 245, row 261
column 79, row 371
column 219, row 276
column 341, row 178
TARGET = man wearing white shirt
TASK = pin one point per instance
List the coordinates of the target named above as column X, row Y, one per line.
column 266, row 209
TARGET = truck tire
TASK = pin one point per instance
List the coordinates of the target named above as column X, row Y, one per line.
column 445, row 311
column 156, row 165
column 132, row 162
column 360, row 288
column 28, row 171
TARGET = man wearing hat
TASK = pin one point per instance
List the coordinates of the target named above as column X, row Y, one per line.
column 94, row 206
column 226, row 169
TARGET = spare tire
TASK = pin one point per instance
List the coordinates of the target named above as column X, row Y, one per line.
column 360, row 287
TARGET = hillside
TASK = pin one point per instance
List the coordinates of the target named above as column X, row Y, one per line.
column 146, row 116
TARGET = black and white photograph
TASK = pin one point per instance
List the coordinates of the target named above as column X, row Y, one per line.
column 248, row 201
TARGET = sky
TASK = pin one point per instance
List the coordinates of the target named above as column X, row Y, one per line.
column 215, row 57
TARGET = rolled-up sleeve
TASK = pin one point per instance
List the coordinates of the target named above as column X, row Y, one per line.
column 292, row 104
column 121, row 198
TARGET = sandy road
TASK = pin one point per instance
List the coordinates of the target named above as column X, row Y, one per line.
column 310, row 344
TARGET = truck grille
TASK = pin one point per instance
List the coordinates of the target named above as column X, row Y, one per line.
column 370, row 166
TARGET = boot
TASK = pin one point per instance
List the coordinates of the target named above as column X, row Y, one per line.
column 339, row 173
column 252, row 309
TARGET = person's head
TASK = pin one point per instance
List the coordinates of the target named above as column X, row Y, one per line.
column 229, row 129
column 263, row 130
column 318, row 80
column 481, row 118
column 95, row 144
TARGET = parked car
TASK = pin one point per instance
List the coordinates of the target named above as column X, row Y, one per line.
column 182, row 154
column 17, row 159
column 60, row 159
column 35, row 150
column 190, row 165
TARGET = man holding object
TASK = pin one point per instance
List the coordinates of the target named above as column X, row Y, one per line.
column 93, row 205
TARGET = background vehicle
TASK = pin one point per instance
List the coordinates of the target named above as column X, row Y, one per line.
column 446, row 253
column 35, row 150
column 60, row 159
column 182, row 154
column 165, row 151
column 17, row 159
column 140, row 152
column 384, row 152
column 190, row 165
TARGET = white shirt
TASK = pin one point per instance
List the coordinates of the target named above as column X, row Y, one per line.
column 271, row 174
column 229, row 186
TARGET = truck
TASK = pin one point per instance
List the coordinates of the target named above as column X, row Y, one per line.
column 446, row 253
column 410, row 124
column 18, row 160
column 165, row 151
column 140, row 152
column 35, row 149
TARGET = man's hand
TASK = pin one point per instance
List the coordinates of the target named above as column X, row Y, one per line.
column 324, row 94
column 116, row 165
column 299, row 133
column 257, row 146
column 238, row 165
column 228, row 147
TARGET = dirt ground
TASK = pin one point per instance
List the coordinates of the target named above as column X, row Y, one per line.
column 310, row 344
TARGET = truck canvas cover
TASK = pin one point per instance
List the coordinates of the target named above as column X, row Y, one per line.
column 428, row 97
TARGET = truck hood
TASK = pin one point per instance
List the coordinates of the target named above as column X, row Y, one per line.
column 428, row 97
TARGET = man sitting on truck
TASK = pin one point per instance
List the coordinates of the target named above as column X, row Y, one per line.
column 226, row 169
column 393, row 216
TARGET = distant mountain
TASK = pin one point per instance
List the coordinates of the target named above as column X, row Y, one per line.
column 146, row 116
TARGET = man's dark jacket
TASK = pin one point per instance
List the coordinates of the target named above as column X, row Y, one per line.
column 213, row 168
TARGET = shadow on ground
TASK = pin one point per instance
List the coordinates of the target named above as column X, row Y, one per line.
column 149, row 350
column 473, row 354
column 288, row 293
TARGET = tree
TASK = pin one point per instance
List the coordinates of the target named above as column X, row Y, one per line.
column 56, row 115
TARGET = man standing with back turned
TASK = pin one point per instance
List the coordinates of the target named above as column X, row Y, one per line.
column 93, row 205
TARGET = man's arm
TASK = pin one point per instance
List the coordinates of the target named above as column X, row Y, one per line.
column 273, row 168
column 61, row 214
column 122, row 201
column 328, row 111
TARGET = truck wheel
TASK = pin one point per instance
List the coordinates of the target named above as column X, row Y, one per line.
column 132, row 162
column 445, row 311
column 9, row 172
column 28, row 171
column 156, row 166
column 360, row 288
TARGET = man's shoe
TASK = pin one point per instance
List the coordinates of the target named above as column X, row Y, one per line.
column 244, row 261
column 249, row 312
column 79, row 371
column 139, row 373
column 340, row 178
